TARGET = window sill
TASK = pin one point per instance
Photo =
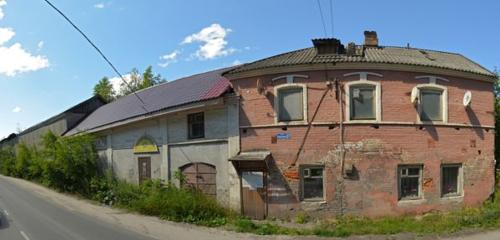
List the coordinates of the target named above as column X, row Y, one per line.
column 411, row 202
column 291, row 123
column 313, row 201
column 452, row 198
column 362, row 121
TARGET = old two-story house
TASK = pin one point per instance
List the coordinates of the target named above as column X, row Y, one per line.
column 363, row 129
column 189, row 126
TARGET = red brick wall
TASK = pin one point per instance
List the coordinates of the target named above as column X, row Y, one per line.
column 375, row 153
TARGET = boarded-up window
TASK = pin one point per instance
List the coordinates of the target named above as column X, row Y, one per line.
column 362, row 102
column 450, row 179
column 291, row 104
column 431, row 105
column 196, row 125
column 312, row 183
column 409, row 182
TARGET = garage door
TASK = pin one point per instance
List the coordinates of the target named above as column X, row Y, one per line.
column 202, row 177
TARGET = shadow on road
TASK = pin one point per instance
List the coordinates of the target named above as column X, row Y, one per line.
column 4, row 222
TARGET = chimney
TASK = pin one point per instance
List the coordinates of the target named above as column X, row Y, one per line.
column 351, row 49
column 371, row 39
column 328, row 46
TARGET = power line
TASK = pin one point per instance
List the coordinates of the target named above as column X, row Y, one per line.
column 322, row 17
column 331, row 17
column 99, row 51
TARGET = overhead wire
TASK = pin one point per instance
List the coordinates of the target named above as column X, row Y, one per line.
column 322, row 17
column 99, row 51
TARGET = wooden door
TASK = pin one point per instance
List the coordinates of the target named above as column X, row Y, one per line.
column 254, row 194
column 201, row 176
column 144, row 169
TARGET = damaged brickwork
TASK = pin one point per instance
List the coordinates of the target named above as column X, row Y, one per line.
column 372, row 151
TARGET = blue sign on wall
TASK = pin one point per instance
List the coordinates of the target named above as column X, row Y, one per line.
column 283, row 136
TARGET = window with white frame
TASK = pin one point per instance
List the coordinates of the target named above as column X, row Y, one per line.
column 451, row 179
column 312, row 182
column 410, row 181
column 431, row 104
column 290, row 103
column 362, row 102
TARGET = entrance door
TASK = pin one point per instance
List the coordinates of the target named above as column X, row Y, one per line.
column 254, row 194
column 144, row 169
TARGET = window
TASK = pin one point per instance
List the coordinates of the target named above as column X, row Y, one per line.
column 291, row 104
column 410, row 182
column 196, row 125
column 450, row 180
column 362, row 102
column 312, row 183
column 431, row 105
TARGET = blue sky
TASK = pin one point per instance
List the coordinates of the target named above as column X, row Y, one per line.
column 46, row 67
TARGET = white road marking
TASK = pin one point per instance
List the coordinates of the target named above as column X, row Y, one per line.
column 6, row 213
column 24, row 235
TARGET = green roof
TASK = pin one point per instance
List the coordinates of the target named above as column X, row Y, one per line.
column 389, row 55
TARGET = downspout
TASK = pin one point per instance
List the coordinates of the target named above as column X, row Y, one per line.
column 338, row 89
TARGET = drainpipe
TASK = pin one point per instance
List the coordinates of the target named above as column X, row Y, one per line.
column 338, row 89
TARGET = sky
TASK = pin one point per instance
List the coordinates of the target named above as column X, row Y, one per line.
column 46, row 66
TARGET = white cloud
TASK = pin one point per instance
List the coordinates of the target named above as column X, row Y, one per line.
column 213, row 42
column 40, row 45
column 167, row 59
column 17, row 109
column 5, row 35
column 99, row 5
column 15, row 59
column 236, row 62
column 2, row 3
column 117, row 81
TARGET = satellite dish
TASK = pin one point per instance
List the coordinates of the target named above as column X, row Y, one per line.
column 467, row 98
column 414, row 95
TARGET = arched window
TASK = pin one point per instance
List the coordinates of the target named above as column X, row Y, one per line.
column 145, row 144
column 201, row 176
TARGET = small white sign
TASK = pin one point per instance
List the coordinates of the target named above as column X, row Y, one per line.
column 355, row 93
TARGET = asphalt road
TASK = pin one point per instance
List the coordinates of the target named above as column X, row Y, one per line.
column 24, row 215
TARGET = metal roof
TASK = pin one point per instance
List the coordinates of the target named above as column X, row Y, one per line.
column 195, row 88
column 391, row 55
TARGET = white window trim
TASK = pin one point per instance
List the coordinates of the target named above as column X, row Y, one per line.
column 276, row 103
column 460, row 181
column 378, row 101
column 444, row 101
column 420, row 183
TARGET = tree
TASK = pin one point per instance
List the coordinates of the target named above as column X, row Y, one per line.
column 139, row 81
column 135, row 82
column 105, row 90
column 496, row 91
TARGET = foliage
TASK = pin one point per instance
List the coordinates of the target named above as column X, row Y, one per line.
column 105, row 90
column 139, row 81
column 135, row 82
column 496, row 91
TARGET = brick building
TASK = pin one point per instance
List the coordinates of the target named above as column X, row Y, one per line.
column 363, row 129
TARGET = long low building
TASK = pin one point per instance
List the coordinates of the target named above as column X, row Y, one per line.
column 189, row 125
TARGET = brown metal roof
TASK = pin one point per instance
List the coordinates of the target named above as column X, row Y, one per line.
column 391, row 55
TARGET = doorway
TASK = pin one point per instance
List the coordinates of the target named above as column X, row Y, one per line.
column 144, row 169
column 254, row 194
